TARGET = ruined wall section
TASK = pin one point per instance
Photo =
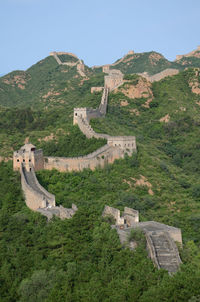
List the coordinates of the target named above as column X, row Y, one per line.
column 160, row 238
column 163, row 251
column 115, row 213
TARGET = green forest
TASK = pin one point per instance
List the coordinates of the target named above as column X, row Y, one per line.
column 81, row 259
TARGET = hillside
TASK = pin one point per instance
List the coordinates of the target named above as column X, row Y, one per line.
column 49, row 84
column 81, row 259
column 153, row 62
column 45, row 83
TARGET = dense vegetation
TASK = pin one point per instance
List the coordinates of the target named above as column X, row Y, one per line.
column 67, row 58
column 47, row 84
column 81, row 259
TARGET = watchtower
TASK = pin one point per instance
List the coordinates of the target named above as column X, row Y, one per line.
column 29, row 156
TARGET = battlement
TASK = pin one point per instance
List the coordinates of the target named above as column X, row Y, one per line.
column 85, row 113
column 129, row 216
column 123, row 142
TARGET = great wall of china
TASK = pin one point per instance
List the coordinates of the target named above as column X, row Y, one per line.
column 79, row 64
column 151, row 78
column 27, row 160
column 160, row 238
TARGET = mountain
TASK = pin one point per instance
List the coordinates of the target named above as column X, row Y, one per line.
column 82, row 259
column 153, row 62
column 62, row 77
column 45, row 81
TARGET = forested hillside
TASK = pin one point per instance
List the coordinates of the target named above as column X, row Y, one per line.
column 81, row 259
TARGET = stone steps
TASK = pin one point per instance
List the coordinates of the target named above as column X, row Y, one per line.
column 165, row 253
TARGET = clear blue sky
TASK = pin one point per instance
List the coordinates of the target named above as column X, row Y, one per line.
column 98, row 31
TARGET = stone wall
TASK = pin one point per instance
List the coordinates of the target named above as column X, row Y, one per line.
column 89, row 113
column 163, row 251
column 174, row 233
column 79, row 64
column 114, row 79
column 61, row 212
column 159, row 76
column 28, row 155
column 86, row 114
column 35, row 195
column 160, row 238
column 96, row 89
column 40, row 200
column 53, row 53
column 104, row 102
column 105, row 155
column 115, row 213
column 126, row 143
column 129, row 216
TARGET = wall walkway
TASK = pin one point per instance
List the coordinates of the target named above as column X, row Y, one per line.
column 35, row 195
column 163, row 251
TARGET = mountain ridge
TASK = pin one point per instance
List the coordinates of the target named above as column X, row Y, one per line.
column 82, row 259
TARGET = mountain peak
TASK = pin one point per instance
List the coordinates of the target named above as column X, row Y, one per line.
column 194, row 53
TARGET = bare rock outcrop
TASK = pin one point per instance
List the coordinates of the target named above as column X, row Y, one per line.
column 140, row 90
column 195, row 53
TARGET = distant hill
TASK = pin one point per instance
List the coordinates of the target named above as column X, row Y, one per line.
column 43, row 83
column 50, row 83
column 153, row 62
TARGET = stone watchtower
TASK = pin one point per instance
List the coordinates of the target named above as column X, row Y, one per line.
column 29, row 156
